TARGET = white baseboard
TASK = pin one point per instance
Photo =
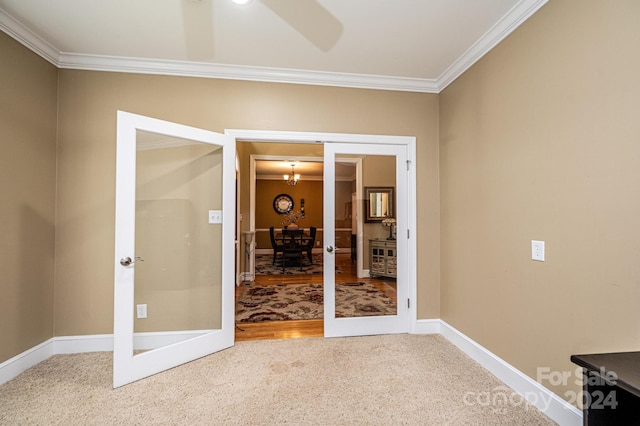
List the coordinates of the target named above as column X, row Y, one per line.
column 81, row 344
column 556, row 408
column 429, row 326
column 54, row 346
column 542, row 398
column 27, row 359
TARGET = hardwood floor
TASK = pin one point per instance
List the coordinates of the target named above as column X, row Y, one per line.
column 273, row 330
column 303, row 328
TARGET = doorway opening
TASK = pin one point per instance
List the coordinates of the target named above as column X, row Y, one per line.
column 265, row 272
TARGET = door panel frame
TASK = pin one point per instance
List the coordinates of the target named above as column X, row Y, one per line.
column 271, row 136
column 181, row 347
column 368, row 325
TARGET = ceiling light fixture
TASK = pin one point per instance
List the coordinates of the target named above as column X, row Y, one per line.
column 293, row 178
column 241, row 1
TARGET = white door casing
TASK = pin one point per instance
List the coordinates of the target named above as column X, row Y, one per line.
column 409, row 142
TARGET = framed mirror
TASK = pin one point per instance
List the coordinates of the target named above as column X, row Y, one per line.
column 378, row 203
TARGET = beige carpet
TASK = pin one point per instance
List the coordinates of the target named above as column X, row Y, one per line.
column 375, row 380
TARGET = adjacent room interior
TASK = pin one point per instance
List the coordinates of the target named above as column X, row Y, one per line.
column 280, row 290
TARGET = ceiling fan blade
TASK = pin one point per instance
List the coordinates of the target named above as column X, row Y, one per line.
column 310, row 19
column 197, row 20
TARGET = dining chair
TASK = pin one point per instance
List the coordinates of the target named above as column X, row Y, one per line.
column 309, row 243
column 277, row 247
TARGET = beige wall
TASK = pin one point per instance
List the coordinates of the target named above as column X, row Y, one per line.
column 28, row 96
column 86, row 159
column 540, row 140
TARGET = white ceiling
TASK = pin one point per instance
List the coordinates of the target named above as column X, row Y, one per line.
column 411, row 45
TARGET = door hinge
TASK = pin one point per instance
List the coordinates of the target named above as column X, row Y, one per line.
column 408, row 234
column 408, row 165
column 408, row 303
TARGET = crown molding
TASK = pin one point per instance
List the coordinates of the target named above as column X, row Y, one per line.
column 238, row 72
column 23, row 35
column 507, row 24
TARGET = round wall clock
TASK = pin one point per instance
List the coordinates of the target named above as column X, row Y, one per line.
column 283, row 203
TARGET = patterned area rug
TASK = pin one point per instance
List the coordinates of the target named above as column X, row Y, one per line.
column 305, row 301
column 264, row 266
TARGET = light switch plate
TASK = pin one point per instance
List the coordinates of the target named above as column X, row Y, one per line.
column 537, row 250
column 215, row 216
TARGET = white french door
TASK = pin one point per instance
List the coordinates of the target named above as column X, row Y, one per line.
column 383, row 167
column 174, row 246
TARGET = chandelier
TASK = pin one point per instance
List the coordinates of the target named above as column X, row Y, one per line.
column 291, row 179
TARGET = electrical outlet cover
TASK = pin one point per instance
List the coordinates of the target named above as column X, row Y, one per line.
column 141, row 310
column 537, row 250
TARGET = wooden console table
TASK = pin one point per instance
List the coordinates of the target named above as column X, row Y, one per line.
column 611, row 388
column 383, row 258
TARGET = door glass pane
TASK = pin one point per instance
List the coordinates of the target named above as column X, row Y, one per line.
column 359, row 295
column 178, row 277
